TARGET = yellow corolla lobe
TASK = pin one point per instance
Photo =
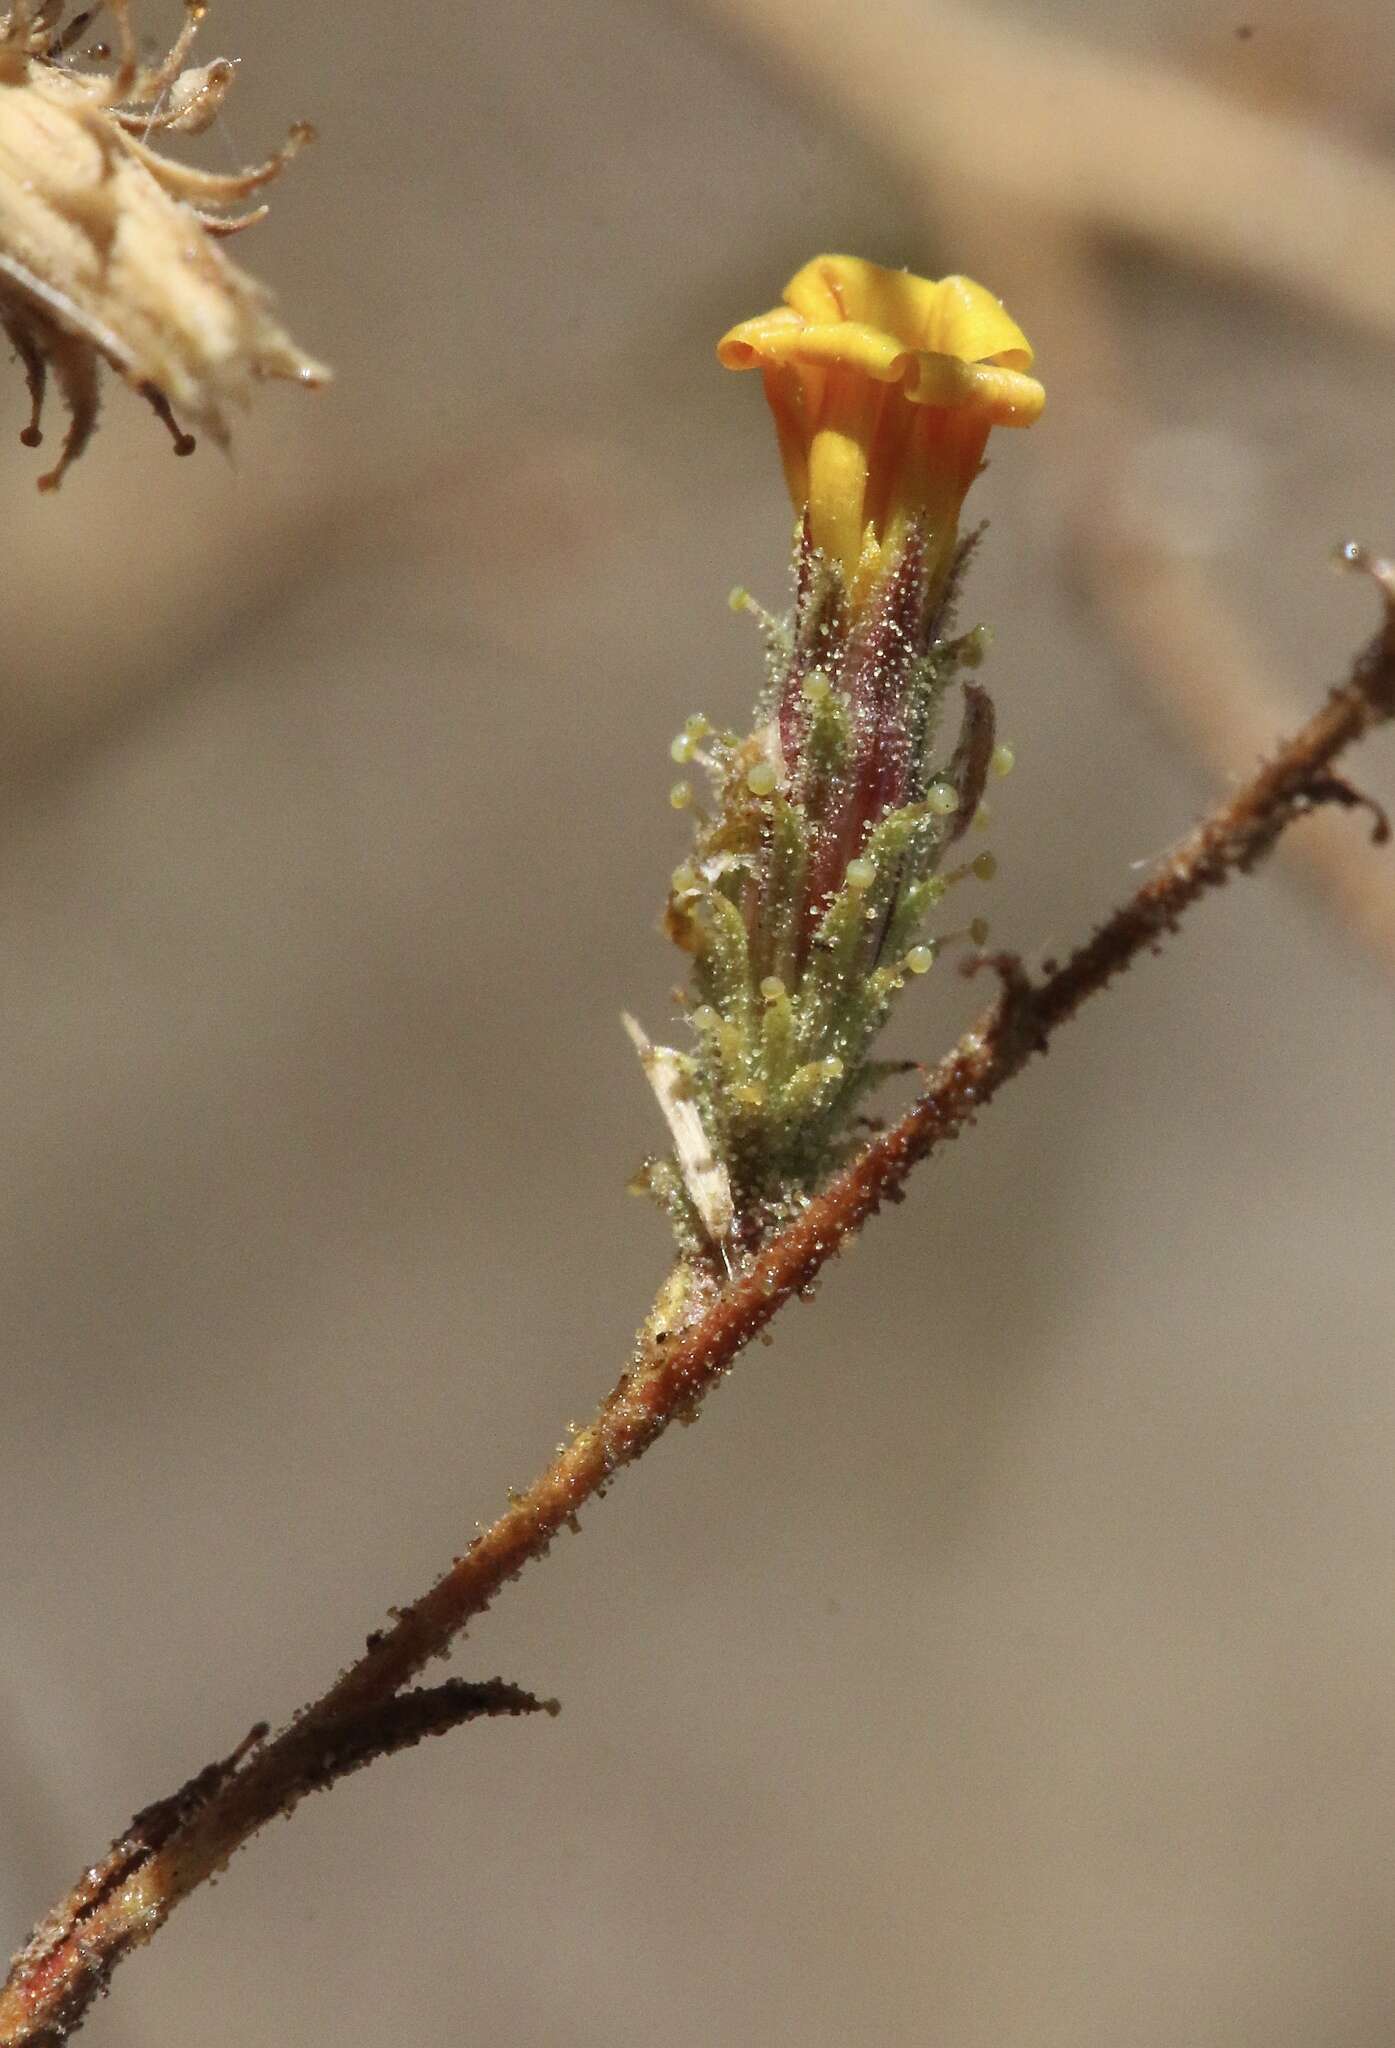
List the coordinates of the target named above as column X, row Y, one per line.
column 884, row 389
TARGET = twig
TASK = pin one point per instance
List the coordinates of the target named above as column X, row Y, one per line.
column 692, row 1338
column 1202, row 670
column 311, row 1760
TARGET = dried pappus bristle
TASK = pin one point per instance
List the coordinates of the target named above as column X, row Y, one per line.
column 108, row 250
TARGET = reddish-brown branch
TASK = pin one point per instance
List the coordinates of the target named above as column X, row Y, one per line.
column 695, row 1333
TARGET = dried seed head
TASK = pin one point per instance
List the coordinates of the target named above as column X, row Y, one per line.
column 107, row 249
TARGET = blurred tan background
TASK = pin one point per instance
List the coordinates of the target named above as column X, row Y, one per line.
column 1008, row 1660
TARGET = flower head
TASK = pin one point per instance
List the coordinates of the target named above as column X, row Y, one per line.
column 107, row 249
column 884, row 388
column 834, row 823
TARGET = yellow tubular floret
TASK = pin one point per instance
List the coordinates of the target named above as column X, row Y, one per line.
column 884, row 388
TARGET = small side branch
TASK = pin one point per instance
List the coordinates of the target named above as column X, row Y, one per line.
column 699, row 1326
column 312, row 1760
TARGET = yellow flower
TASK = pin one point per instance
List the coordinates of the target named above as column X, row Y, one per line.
column 884, row 388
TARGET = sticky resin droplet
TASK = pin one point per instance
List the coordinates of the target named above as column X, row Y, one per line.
column 816, row 689
column 681, row 795
column 772, row 988
column 978, row 931
column 683, row 748
column 942, row 798
column 860, row 874
column 985, row 866
column 761, row 779
column 1004, row 760
column 920, row 959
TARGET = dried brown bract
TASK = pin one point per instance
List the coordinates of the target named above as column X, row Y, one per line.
column 108, row 250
